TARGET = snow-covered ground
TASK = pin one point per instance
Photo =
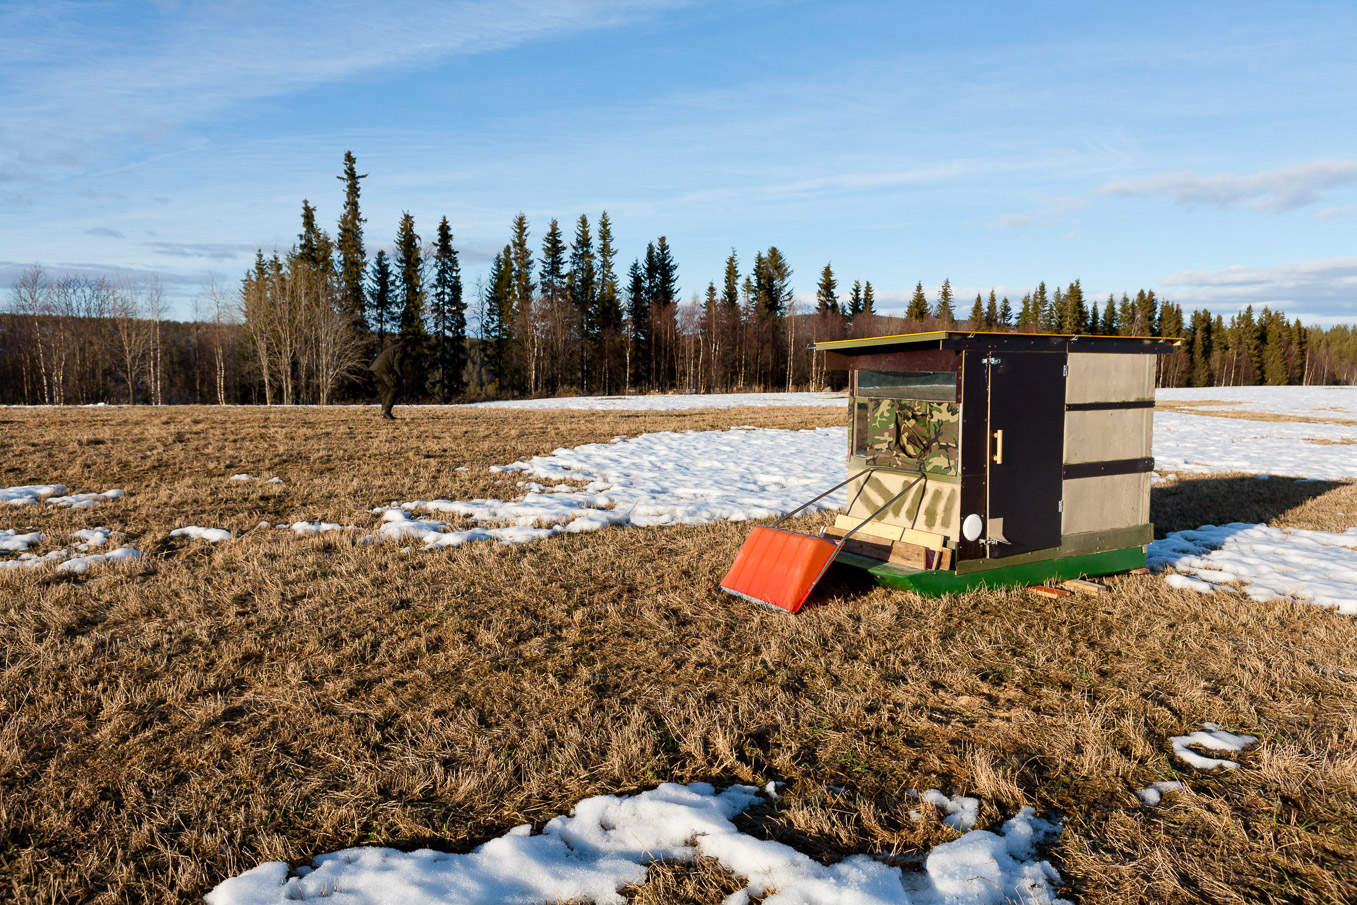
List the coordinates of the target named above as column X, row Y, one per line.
column 687, row 478
column 610, row 839
column 670, row 403
column 1202, row 444
column 54, row 495
column 1312, row 402
column 1318, row 567
column 1212, row 738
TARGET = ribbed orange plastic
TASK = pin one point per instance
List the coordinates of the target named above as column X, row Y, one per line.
column 779, row 567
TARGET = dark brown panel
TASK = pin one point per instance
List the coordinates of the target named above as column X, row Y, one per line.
column 1027, row 405
column 1110, row 467
column 910, row 360
column 974, row 446
column 1018, row 342
column 1107, row 406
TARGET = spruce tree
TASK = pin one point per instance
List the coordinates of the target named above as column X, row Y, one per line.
column 1041, row 309
column 977, row 318
column 308, row 240
column 521, row 260
column 1201, row 348
column 918, row 304
column 730, row 287
column 826, row 292
column 946, row 309
column 352, row 256
column 1055, row 312
column 447, row 317
column 992, row 312
column 608, row 306
column 868, row 299
column 1110, row 316
column 1126, row 316
column 581, row 286
column 638, row 324
column 666, row 288
column 498, row 308
column 410, row 282
column 381, row 300
column 551, row 281
column 609, row 298
column 855, row 300
column 664, row 297
column 1005, row 313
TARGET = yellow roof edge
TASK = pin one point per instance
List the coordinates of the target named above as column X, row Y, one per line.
column 943, row 334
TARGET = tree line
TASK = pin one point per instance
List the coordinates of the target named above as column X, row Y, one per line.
column 564, row 317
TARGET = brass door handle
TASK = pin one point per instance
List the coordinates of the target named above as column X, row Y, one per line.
column 998, row 457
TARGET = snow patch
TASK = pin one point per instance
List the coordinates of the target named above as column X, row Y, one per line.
column 1318, row 567
column 958, row 811
column 1154, row 793
column 54, row 495
column 317, row 527
column 688, row 478
column 242, row 477
column 1212, row 738
column 79, row 565
column 11, row 541
column 211, row 535
column 610, row 839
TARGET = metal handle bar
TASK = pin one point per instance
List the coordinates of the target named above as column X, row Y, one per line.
column 912, row 484
column 826, row 493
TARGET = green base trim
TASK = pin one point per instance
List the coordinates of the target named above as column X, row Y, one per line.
column 942, row 581
column 1070, row 545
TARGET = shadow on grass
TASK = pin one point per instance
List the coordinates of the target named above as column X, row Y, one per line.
column 1196, row 500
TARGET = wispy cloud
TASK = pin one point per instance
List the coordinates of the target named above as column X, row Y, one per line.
column 1054, row 210
column 1270, row 190
column 1325, row 288
column 10, row 271
column 104, row 231
column 212, row 251
column 148, row 75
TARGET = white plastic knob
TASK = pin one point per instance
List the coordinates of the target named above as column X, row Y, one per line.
column 972, row 526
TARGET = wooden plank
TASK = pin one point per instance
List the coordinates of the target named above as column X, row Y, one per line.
column 876, row 529
column 1083, row 586
column 892, row 532
column 1045, row 591
column 884, row 550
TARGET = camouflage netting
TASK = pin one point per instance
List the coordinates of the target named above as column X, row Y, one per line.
column 907, row 433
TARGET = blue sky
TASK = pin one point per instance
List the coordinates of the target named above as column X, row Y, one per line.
column 1208, row 151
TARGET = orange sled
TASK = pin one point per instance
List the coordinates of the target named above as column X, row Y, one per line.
column 779, row 568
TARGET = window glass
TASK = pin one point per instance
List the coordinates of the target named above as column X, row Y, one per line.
column 932, row 386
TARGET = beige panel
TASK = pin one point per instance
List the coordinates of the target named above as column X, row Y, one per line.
column 1107, row 434
column 1099, row 377
column 892, row 532
column 932, row 507
column 1112, row 501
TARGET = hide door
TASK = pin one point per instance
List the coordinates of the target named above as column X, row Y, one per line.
column 1026, row 451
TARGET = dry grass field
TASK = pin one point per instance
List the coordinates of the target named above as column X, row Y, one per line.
column 170, row 722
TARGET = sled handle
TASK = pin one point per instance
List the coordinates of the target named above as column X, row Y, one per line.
column 891, row 502
column 825, row 494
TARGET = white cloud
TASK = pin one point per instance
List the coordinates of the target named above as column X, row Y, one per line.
column 1320, row 290
column 1271, row 190
column 146, row 75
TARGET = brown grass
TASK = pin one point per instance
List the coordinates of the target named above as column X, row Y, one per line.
column 1207, row 408
column 169, row 723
